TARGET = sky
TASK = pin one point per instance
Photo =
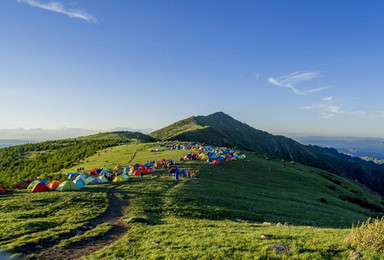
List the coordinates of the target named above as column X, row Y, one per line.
column 286, row 67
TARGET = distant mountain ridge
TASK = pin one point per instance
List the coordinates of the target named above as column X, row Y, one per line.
column 355, row 146
column 221, row 129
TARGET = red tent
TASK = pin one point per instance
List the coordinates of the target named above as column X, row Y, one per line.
column 137, row 173
column 215, row 162
column 2, row 191
column 40, row 187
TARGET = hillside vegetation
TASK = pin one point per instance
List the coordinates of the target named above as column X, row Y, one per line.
column 225, row 130
column 30, row 161
column 218, row 215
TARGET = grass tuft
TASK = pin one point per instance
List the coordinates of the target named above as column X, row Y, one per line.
column 369, row 235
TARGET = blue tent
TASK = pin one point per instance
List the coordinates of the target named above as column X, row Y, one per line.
column 79, row 183
column 43, row 181
column 71, row 175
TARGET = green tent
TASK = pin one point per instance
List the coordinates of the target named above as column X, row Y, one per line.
column 242, row 156
column 67, row 186
column 125, row 177
column 32, row 184
column 104, row 180
column 90, row 179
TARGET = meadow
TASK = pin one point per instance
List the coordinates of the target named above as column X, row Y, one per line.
column 230, row 211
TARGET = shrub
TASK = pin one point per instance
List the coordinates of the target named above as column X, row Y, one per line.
column 369, row 235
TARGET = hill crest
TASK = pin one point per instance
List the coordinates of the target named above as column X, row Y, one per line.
column 223, row 130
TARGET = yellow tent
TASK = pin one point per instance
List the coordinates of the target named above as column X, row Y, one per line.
column 118, row 179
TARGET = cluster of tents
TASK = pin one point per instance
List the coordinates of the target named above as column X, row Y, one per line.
column 77, row 181
column 213, row 155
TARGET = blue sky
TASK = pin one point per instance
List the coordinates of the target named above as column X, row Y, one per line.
column 305, row 67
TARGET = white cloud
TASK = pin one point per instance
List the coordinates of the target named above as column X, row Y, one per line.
column 326, row 109
column 328, row 98
column 289, row 81
column 333, row 109
column 59, row 8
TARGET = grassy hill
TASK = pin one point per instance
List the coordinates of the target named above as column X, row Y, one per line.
column 218, row 215
column 221, row 129
column 29, row 161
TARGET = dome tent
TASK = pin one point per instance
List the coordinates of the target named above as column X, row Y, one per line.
column 68, row 186
column 32, row 184
column 79, row 183
column 54, row 184
column 40, row 187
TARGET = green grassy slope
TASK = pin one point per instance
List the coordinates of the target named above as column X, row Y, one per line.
column 120, row 135
column 185, row 125
column 28, row 219
column 221, row 129
column 219, row 214
column 22, row 162
column 213, row 216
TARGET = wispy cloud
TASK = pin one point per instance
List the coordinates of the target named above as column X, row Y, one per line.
column 289, row 81
column 328, row 98
column 327, row 109
column 60, row 8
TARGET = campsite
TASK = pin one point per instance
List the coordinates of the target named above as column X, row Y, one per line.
column 164, row 216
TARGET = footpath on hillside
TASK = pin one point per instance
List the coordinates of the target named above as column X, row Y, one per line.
column 113, row 215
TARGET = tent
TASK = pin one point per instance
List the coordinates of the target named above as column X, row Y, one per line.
column 96, row 181
column 104, row 179
column 43, row 181
column 67, row 186
column 54, row 184
column 125, row 177
column 90, row 179
column 215, row 162
column 40, row 187
column 72, row 175
column 79, row 183
column 137, row 173
column 242, row 156
column 118, row 179
column 32, row 184
column 22, row 185
column 2, row 191
column 82, row 179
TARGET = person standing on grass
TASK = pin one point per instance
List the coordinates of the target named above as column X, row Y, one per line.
column 141, row 175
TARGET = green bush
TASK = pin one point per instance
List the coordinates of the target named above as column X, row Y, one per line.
column 369, row 235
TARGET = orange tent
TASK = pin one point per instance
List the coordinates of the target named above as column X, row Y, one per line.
column 54, row 184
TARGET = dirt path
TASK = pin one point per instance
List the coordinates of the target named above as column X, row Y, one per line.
column 112, row 215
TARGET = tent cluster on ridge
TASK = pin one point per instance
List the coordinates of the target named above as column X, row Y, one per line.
column 77, row 181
